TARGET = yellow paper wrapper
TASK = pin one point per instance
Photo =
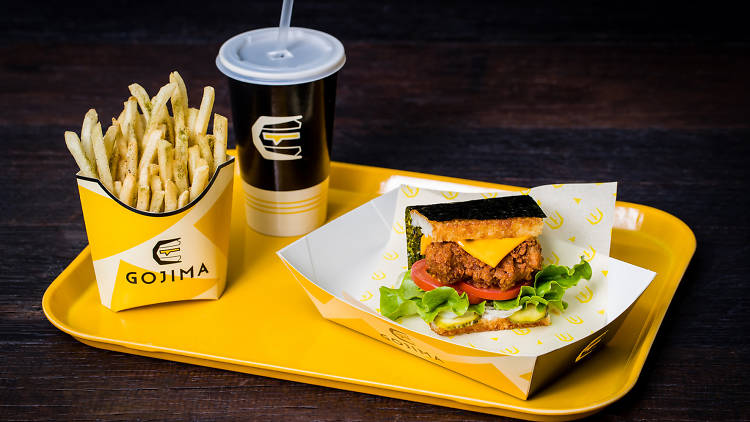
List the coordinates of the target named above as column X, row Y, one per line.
column 578, row 224
column 143, row 258
column 342, row 265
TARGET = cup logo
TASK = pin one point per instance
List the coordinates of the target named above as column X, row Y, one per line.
column 166, row 251
column 275, row 131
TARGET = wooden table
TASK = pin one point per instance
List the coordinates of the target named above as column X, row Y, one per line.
column 655, row 98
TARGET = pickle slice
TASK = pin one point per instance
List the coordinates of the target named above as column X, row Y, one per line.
column 528, row 314
column 449, row 320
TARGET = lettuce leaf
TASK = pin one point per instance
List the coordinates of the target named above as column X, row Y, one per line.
column 394, row 305
column 408, row 299
column 549, row 287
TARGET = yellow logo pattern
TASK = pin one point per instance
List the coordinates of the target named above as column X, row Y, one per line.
column 555, row 223
column 575, row 319
column 596, row 217
column 590, row 255
column 390, row 256
column 409, row 191
column 450, row 195
column 566, row 337
column 585, row 295
column 553, row 260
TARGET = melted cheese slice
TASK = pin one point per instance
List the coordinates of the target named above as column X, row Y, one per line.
column 490, row 251
column 424, row 243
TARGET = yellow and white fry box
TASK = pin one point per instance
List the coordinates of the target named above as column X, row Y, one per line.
column 343, row 264
column 141, row 258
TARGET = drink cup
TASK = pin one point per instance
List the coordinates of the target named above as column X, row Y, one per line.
column 283, row 96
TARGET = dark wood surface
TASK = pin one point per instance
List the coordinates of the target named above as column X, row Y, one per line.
column 655, row 97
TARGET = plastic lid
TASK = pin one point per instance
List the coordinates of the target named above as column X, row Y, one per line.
column 255, row 57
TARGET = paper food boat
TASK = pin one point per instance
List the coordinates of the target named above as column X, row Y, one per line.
column 342, row 264
column 142, row 258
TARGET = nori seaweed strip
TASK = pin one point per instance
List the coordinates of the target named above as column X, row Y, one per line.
column 413, row 239
column 481, row 209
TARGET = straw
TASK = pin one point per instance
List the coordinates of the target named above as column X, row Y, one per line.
column 286, row 18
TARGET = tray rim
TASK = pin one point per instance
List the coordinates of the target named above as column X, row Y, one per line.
column 640, row 349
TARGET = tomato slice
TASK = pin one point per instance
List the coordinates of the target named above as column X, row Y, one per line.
column 426, row 282
column 489, row 293
column 422, row 278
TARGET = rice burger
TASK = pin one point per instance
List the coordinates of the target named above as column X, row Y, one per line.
column 477, row 266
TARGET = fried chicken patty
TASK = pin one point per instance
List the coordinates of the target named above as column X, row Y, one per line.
column 449, row 263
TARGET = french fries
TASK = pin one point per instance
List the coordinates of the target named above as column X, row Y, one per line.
column 159, row 105
column 143, row 100
column 194, row 154
column 204, row 143
column 88, row 125
column 183, row 199
column 179, row 102
column 157, row 201
column 127, row 117
column 131, row 156
column 110, row 140
column 165, row 161
column 156, row 184
column 102, row 159
column 170, row 196
column 192, row 115
column 127, row 192
column 144, row 196
column 180, row 168
column 76, row 149
column 147, row 158
column 204, row 113
column 220, row 141
column 200, row 178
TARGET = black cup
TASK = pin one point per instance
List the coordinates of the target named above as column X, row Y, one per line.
column 303, row 162
column 283, row 100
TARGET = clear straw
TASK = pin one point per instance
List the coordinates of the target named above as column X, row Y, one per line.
column 286, row 18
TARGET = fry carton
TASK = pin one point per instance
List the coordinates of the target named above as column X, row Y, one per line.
column 141, row 258
column 343, row 264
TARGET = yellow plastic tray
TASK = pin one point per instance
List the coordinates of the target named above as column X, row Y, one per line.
column 247, row 330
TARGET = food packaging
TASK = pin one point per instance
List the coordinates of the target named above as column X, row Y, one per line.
column 342, row 265
column 142, row 258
